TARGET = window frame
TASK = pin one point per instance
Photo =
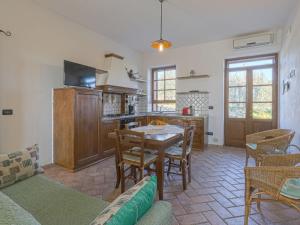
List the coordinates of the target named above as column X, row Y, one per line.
column 155, row 102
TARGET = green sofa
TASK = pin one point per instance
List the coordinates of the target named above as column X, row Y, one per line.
column 52, row 203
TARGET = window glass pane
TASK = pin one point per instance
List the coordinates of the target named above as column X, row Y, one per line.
column 165, row 107
column 237, row 110
column 262, row 111
column 158, row 95
column 170, row 84
column 159, row 75
column 262, row 76
column 251, row 63
column 237, row 94
column 237, row 78
column 170, row 74
column 262, row 93
column 170, row 95
column 160, row 85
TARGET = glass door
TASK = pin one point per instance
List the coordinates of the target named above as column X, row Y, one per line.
column 250, row 97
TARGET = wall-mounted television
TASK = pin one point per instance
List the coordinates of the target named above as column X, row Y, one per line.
column 79, row 75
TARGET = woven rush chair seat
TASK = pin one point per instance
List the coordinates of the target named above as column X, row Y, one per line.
column 175, row 151
column 131, row 152
column 148, row 158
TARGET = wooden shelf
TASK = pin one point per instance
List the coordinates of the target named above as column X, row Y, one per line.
column 98, row 71
column 192, row 77
column 192, row 92
column 138, row 80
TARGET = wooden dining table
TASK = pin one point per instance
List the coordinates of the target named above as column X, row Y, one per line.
column 159, row 138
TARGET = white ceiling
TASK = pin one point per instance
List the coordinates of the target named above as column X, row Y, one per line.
column 135, row 23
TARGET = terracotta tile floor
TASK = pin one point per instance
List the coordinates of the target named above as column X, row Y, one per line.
column 215, row 196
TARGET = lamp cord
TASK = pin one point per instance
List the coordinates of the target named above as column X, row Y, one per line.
column 161, row 20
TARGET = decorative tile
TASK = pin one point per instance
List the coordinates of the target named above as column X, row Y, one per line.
column 199, row 101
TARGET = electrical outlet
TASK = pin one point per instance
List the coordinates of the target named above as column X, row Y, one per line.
column 7, row 112
column 215, row 140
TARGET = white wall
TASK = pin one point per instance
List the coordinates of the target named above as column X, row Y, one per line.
column 208, row 59
column 289, row 60
column 31, row 65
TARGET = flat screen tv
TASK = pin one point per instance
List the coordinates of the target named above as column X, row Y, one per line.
column 79, row 75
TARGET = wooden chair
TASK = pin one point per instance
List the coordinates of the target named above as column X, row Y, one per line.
column 131, row 125
column 183, row 155
column 268, row 179
column 131, row 152
column 179, row 123
column 267, row 142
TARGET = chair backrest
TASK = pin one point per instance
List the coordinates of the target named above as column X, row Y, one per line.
column 188, row 138
column 131, row 125
column 177, row 122
column 278, row 139
column 130, row 143
column 280, row 160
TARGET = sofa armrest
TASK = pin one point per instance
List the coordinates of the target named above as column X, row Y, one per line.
column 159, row 214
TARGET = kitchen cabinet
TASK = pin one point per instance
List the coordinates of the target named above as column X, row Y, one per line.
column 76, row 127
column 200, row 137
column 108, row 144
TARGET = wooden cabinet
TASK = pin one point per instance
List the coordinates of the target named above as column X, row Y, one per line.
column 108, row 144
column 199, row 135
column 76, row 116
column 143, row 120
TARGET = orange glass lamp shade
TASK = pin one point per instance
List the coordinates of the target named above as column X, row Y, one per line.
column 161, row 44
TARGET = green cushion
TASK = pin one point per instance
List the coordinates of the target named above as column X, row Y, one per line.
column 12, row 213
column 51, row 203
column 252, row 146
column 159, row 214
column 129, row 207
column 291, row 188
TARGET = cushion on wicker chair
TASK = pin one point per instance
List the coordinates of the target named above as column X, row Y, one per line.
column 291, row 188
column 148, row 157
column 252, row 146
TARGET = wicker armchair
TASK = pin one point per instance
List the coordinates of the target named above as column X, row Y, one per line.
column 269, row 179
column 267, row 142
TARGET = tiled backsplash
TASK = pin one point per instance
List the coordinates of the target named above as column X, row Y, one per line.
column 199, row 101
column 111, row 104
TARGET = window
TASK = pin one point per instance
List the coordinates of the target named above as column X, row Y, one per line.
column 164, row 89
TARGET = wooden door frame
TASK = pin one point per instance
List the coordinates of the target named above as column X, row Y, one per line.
column 275, row 94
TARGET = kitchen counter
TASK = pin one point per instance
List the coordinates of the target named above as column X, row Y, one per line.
column 175, row 115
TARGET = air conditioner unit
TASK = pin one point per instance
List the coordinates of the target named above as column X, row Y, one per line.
column 253, row 41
